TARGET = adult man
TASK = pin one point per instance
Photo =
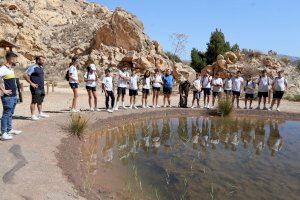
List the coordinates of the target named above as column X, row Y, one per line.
column 280, row 85
column 237, row 82
column 34, row 75
column 263, row 89
column 9, row 98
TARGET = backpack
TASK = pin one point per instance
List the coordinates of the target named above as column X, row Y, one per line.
column 67, row 76
column 183, row 102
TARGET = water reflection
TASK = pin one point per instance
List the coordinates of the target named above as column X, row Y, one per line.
column 200, row 134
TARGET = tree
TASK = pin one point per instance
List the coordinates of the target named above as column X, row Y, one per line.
column 235, row 48
column 198, row 60
column 179, row 42
column 217, row 45
column 173, row 57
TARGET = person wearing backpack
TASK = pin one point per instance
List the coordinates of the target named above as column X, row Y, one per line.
column 249, row 91
column 263, row 89
column 72, row 76
column 91, row 78
column 184, row 88
column 279, row 85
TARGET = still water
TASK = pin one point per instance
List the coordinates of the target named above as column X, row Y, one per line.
column 195, row 158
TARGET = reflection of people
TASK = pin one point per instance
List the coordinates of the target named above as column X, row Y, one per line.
column 214, row 135
column 246, row 133
column 155, row 137
column 195, row 135
column 259, row 137
column 183, row 130
column 205, row 132
column 146, row 138
column 275, row 141
column 107, row 151
column 225, row 133
column 166, row 133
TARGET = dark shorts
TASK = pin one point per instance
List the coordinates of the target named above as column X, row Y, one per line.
column 121, row 91
column 249, row 96
column 216, row 94
column 38, row 98
column 278, row 94
column 206, row 91
column 167, row 90
column 133, row 92
column 146, row 91
column 236, row 93
column 73, row 85
column 228, row 92
column 197, row 95
column 263, row 94
column 88, row 88
column 156, row 89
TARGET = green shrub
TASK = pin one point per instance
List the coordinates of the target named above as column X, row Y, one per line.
column 225, row 107
column 78, row 125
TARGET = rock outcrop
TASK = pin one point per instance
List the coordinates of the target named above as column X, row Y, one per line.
column 59, row 29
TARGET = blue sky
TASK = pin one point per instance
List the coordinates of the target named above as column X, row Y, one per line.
column 254, row 24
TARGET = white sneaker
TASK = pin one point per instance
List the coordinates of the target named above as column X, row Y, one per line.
column 124, row 107
column 6, row 136
column 34, row 118
column 192, row 107
column 169, row 106
column 91, row 110
column 97, row 110
column 130, row 107
column 205, row 106
column 278, row 109
column 14, row 132
column 165, row 106
column 157, row 106
column 154, row 106
column 75, row 110
column 43, row 115
column 116, row 108
column 270, row 109
column 135, row 107
column 147, row 106
column 143, row 106
column 110, row 110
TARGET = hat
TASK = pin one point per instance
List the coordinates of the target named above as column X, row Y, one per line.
column 93, row 67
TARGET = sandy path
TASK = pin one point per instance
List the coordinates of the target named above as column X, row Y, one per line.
column 28, row 163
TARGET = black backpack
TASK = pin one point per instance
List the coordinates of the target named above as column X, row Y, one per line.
column 67, row 76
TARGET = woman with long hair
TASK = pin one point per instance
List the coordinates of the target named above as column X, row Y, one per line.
column 73, row 82
column 91, row 79
column 146, row 89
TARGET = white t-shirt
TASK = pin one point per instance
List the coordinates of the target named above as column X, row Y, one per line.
column 157, row 80
column 217, row 81
column 249, row 87
column 197, row 84
column 228, row 84
column 74, row 74
column 91, row 76
column 206, row 81
column 146, row 83
column 108, row 84
column 279, row 84
column 122, row 81
column 133, row 84
column 263, row 84
column 237, row 83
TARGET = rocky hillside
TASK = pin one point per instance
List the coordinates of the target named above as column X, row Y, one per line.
column 59, row 29
column 253, row 62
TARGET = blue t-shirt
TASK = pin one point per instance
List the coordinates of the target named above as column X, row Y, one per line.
column 8, row 76
column 37, row 76
column 168, row 81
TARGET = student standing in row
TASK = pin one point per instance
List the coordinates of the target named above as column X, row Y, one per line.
column 133, row 88
column 249, row 91
column 9, row 98
column 156, row 84
column 237, row 83
column 91, row 78
column 73, row 82
column 217, row 84
column 206, row 88
column 35, row 76
column 146, row 89
column 107, row 87
column 168, row 81
column 263, row 89
column 122, row 85
column 228, row 85
column 197, row 91
column 279, row 85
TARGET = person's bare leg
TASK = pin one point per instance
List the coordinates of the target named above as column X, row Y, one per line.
column 146, row 99
column 169, row 99
column 278, row 103
column 165, row 96
column 90, row 98
column 95, row 99
column 237, row 101
column 251, row 103
column 75, row 97
column 153, row 98
column 265, row 102
column 193, row 101
column 133, row 100
column 32, row 109
column 213, row 101
column 204, row 100
column 40, row 108
column 246, row 102
column 208, row 100
column 156, row 98
column 259, row 102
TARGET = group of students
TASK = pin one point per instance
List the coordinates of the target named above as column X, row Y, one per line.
column 127, row 77
column 234, row 85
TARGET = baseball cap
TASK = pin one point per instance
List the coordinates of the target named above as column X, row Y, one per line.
column 93, row 67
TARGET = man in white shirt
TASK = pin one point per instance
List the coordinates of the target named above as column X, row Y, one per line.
column 206, row 88
column 228, row 85
column 217, row 84
column 122, row 85
column 263, row 89
column 197, row 91
column 237, row 83
column 279, row 85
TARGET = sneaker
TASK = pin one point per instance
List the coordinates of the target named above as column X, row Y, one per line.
column 257, row 108
column 154, row 106
column 135, row 107
column 34, row 118
column 278, row 109
column 91, row 110
column 14, row 132
column 165, row 106
column 143, row 106
column 192, row 107
column 169, row 106
column 75, row 110
column 6, row 136
column 148, row 106
column 158, row 106
column 43, row 115
column 250, row 108
column 270, row 109
column 205, row 106
column 110, row 110
column 97, row 110
column 124, row 107
column 116, row 108
column 131, row 106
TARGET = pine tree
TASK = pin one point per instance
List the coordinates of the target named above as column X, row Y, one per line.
column 235, row 48
column 217, row 45
column 198, row 60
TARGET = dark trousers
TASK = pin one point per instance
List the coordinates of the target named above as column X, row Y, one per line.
column 110, row 95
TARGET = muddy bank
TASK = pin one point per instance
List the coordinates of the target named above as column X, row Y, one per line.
column 110, row 185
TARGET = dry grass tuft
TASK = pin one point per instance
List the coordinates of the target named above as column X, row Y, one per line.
column 77, row 125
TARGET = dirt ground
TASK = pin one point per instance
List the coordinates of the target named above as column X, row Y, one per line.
column 29, row 164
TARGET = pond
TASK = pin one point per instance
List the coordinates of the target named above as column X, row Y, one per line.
column 194, row 158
